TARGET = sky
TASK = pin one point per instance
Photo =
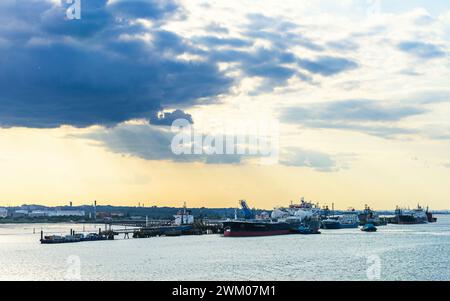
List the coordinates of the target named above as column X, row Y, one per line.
column 352, row 98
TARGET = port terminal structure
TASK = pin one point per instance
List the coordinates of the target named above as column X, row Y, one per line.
column 139, row 229
column 152, row 228
column 185, row 224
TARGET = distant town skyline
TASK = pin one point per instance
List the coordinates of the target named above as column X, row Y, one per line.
column 358, row 90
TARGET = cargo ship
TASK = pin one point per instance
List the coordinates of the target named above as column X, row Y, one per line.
column 349, row 219
column 331, row 224
column 410, row 217
column 368, row 216
column 296, row 219
column 346, row 220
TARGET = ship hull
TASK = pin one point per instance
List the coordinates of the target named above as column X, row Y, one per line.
column 248, row 229
column 408, row 220
column 349, row 226
column 255, row 233
column 430, row 218
column 331, row 225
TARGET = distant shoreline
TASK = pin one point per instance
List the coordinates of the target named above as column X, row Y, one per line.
column 80, row 221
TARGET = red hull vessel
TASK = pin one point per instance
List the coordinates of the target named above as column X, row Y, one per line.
column 255, row 233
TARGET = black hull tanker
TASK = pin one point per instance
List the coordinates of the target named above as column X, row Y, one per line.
column 410, row 217
column 405, row 219
column 257, row 228
column 297, row 219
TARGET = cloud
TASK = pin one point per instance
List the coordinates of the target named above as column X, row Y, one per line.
column 167, row 118
column 422, row 50
column 352, row 110
column 213, row 41
column 343, row 45
column 382, row 131
column 95, row 17
column 262, row 22
column 153, row 9
column 119, row 62
column 272, row 65
column 429, row 97
column 217, row 28
column 280, row 33
column 275, row 62
column 327, row 65
column 436, row 130
column 306, row 158
column 151, row 142
column 103, row 69
column 366, row 116
column 298, row 157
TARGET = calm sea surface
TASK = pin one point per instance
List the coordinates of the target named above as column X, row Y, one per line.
column 395, row 252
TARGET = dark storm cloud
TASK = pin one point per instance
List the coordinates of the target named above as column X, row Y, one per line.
column 107, row 68
column 167, row 118
column 95, row 17
column 97, row 70
column 153, row 9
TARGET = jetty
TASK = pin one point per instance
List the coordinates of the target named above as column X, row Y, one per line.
column 138, row 229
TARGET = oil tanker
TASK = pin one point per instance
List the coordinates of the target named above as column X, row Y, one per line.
column 237, row 228
column 409, row 217
column 296, row 219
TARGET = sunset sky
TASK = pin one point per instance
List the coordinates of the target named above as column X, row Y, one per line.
column 360, row 91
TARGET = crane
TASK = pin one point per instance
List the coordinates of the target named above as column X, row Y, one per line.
column 248, row 213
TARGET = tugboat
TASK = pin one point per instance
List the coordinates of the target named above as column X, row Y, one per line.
column 307, row 230
column 430, row 217
column 369, row 228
